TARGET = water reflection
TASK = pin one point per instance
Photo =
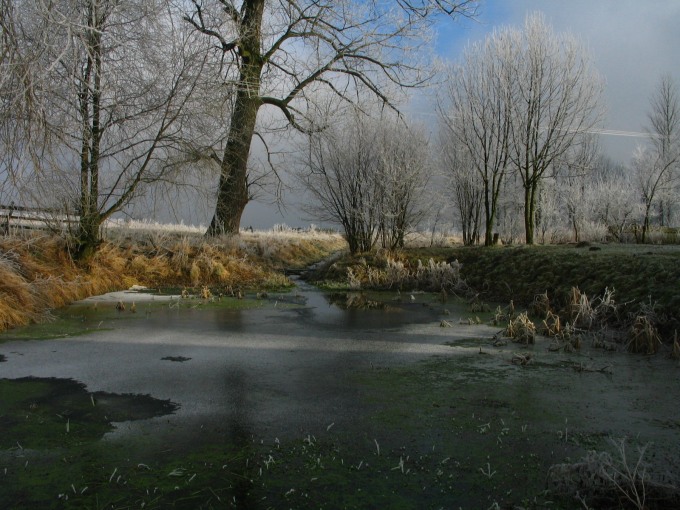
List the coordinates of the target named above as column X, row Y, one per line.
column 239, row 430
column 359, row 310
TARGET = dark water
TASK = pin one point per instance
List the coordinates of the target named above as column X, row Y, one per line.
column 380, row 380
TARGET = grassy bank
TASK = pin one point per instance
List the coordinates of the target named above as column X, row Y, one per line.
column 37, row 274
column 642, row 277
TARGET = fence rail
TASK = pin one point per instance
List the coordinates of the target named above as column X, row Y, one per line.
column 20, row 217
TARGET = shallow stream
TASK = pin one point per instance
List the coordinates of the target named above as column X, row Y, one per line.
column 287, row 399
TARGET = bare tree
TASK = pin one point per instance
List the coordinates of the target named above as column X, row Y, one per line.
column 368, row 176
column 116, row 79
column 403, row 176
column 614, row 197
column 466, row 189
column 475, row 117
column 556, row 101
column 656, row 168
column 285, row 53
column 574, row 180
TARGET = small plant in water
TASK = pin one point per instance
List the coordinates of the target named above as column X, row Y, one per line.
column 521, row 329
column 643, row 337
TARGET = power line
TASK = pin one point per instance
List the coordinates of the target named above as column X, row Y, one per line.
column 615, row 132
column 595, row 131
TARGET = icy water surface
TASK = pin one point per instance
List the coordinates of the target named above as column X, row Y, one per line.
column 290, row 400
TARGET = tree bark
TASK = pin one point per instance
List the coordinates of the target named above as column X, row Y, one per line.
column 529, row 212
column 232, row 195
column 89, row 236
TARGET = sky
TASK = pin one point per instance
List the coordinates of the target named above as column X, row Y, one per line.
column 632, row 44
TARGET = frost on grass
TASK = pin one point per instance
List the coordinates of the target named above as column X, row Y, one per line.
column 603, row 479
column 396, row 274
column 521, row 329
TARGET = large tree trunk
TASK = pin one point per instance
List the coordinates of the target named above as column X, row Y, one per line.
column 89, row 227
column 232, row 195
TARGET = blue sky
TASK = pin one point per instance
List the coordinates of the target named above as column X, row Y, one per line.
column 632, row 43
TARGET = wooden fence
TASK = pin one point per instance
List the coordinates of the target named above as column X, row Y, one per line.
column 18, row 217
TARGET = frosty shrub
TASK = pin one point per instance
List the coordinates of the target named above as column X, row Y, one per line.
column 438, row 275
column 396, row 274
column 521, row 329
column 604, row 480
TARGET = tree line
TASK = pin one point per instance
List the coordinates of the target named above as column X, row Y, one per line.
column 104, row 102
column 103, row 99
column 520, row 112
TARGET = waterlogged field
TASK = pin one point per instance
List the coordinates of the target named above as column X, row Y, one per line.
column 284, row 400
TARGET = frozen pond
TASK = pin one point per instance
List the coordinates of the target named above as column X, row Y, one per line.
column 383, row 382
column 276, row 368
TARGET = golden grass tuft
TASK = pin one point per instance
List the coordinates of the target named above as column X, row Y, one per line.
column 541, row 305
column 521, row 329
column 552, row 326
column 195, row 274
column 643, row 337
column 581, row 313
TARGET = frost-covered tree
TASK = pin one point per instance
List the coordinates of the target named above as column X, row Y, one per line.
column 475, row 122
column 657, row 167
column 614, row 194
column 369, row 176
column 520, row 101
column 111, row 81
column 573, row 177
column 284, row 54
column 465, row 187
column 555, row 103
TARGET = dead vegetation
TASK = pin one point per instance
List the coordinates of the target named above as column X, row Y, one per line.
column 521, row 329
column 615, row 480
column 584, row 318
column 37, row 274
column 643, row 337
column 388, row 272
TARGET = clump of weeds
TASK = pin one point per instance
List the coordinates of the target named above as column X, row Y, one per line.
column 521, row 329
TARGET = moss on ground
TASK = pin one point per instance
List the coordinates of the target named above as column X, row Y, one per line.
column 639, row 274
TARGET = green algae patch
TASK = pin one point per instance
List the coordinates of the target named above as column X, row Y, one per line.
column 332, row 470
column 58, row 327
column 469, row 431
column 503, row 426
column 41, row 413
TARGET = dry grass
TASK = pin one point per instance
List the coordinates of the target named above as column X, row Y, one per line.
column 37, row 274
column 388, row 271
column 643, row 337
column 521, row 329
column 552, row 326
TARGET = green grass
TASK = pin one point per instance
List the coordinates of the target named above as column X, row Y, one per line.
column 639, row 274
column 407, row 453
